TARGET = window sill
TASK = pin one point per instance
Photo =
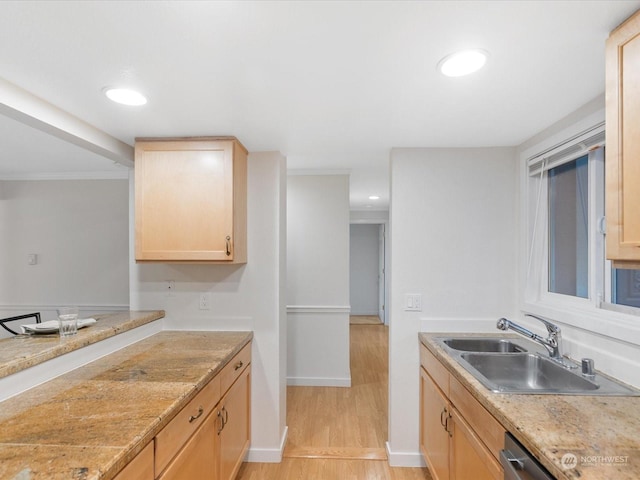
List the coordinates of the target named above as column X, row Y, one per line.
column 615, row 325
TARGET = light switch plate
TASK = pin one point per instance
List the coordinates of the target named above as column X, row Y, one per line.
column 413, row 302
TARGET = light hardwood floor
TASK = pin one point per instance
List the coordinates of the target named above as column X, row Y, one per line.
column 365, row 320
column 340, row 433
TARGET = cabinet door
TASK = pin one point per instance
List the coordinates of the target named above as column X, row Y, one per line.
column 623, row 142
column 434, row 438
column 185, row 198
column 469, row 457
column 234, row 431
column 197, row 458
column 140, row 468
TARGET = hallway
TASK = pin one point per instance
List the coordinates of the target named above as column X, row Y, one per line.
column 340, row 433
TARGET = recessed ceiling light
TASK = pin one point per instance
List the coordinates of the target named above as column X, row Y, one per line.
column 374, row 197
column 463, row 62
column 125, row 96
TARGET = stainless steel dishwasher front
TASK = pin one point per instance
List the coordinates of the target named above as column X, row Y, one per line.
column 519, row 464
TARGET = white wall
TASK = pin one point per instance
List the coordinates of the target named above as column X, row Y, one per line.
column 369, row 216
column 79, row 231
column 453, row 240
column 363, row 270
column 318, row 280
column 243, row 297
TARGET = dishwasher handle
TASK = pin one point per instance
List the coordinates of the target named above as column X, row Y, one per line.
column 518, row 464
column 512, row 465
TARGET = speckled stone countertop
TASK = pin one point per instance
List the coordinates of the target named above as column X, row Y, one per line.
column 23, row 351
column 90, row 422
column 602, row 432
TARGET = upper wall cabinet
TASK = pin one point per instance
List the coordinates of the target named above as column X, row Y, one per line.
column 623, row 144
column 191, row 200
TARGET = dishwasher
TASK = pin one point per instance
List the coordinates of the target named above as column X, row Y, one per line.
column 519, row 464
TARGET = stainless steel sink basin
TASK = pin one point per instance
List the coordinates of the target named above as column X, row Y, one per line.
column 515, row 365
column 483, row 345
column 528, row 372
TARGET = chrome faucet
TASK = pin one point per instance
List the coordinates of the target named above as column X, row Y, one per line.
column 553, row 343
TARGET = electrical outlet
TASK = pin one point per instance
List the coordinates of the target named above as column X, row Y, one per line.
column 205, row 301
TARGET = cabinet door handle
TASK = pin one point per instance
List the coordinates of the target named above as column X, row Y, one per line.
column 228, row 243
column 196, row 416
column 221, row 422
column 226, row 416
column 239, row 365
column 442, row 420
column 446, row 422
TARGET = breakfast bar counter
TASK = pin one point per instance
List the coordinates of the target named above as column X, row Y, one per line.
column 24, row 351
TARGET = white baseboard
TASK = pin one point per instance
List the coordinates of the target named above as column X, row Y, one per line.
column 404, row 459
column 268, row 455
column 318, row 382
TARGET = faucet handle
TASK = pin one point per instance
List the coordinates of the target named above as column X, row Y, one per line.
column 552, row 328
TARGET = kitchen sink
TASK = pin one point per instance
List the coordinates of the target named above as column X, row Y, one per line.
column 483, row 345
column 526, row 372
column 515, row 365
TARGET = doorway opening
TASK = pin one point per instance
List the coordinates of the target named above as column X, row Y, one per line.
column 367, row 270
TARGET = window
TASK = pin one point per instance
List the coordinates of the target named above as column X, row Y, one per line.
column 568, row 228
column 566, row 264
column 625, row 287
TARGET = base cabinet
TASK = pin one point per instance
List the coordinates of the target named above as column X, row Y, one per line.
column 450, row 445
column 434, row 436
column 209, row 438
column 469, row 456
column 234, row 431
column 196, row 459
column 140, row 468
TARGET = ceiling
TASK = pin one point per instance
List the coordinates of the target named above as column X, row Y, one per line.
column 332, row 85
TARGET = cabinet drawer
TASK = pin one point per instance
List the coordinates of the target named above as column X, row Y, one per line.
column 234, row 368
column 172, row 437
column 478, row 417
column 435, row 369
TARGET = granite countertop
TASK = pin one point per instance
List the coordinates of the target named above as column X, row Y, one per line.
column 24, row 351
column 602, row 432
column 90, row 422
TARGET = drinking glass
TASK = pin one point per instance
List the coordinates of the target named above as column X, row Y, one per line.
column 68, row 320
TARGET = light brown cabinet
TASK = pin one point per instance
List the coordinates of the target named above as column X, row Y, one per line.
column 434, row 429
column 196, row 459
column 209, row 438
column 176, row 454
column 234, row 430
column 459, row 438
column 191, row 200
column 623, row 144
column 140, row 468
